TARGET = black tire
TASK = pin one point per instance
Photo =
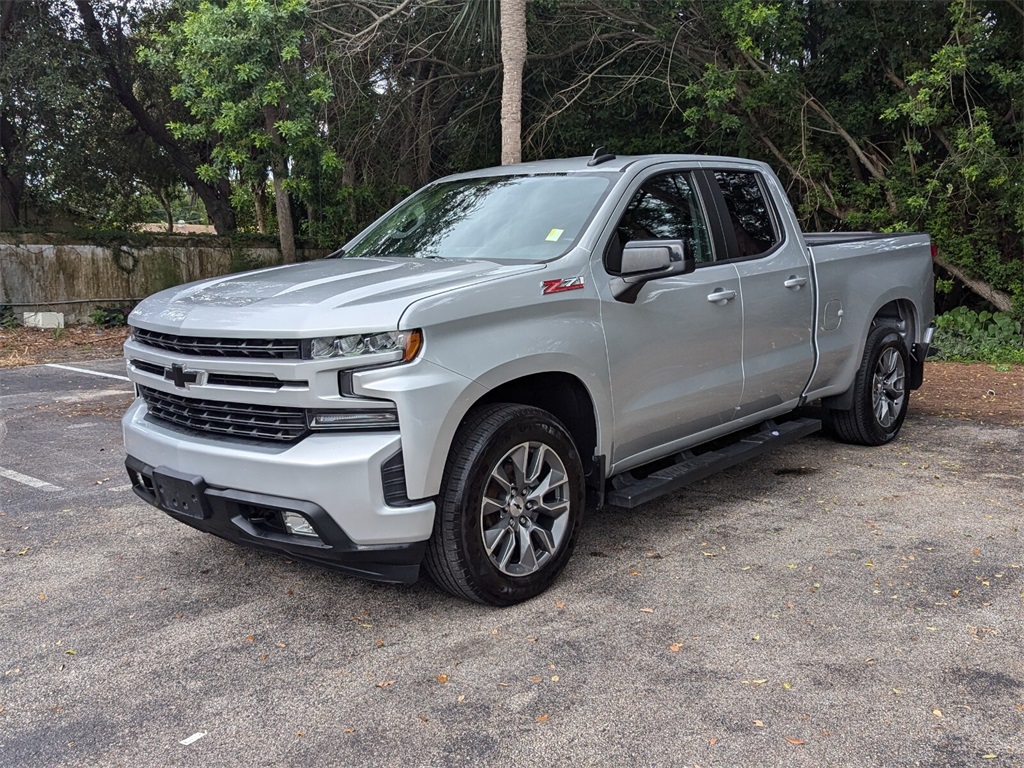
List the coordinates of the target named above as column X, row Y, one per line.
column 880, row 394
column 480, row 459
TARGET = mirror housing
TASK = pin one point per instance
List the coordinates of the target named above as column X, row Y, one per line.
column 646, row 260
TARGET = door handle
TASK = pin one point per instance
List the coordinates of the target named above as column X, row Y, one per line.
column 795, row 282
column 720, row 297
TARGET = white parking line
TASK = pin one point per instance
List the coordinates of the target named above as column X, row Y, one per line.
column 86, row 370
column 32, row 482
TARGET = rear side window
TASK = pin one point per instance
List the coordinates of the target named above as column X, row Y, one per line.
column 750, row 215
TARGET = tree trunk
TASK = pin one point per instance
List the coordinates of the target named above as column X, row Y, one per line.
column 11, row 187
column 285, row 226
column 165, row 203
column 513, row 57
column 259, row 198
column 285, row 229
column 1000, row 300
column 216, row 199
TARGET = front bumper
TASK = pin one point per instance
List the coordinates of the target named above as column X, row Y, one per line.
column 333, row 479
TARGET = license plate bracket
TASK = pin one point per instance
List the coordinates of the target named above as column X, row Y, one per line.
column 181, row 493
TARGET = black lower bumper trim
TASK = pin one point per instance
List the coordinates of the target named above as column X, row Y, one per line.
column 255, row 520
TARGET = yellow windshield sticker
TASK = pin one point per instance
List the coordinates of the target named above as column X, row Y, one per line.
column 554, row 234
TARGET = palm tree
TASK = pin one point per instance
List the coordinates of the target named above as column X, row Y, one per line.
column 505, row 19
column 513, row 57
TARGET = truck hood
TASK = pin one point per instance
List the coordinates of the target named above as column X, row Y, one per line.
column 314, row 298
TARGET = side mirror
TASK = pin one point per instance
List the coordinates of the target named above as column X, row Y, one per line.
column 646, row 260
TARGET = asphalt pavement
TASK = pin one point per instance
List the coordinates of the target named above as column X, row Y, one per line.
column 822, row 606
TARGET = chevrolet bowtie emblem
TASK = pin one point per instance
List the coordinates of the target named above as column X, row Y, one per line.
column 181, row 377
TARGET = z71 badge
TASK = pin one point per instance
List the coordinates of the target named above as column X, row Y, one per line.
column 561, row 285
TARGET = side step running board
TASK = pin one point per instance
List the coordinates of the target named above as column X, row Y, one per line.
column 629, row 492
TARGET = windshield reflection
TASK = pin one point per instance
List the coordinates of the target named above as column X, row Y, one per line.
column 500, row 218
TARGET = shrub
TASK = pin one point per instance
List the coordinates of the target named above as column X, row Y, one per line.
column 110, row 316
column 964, row 335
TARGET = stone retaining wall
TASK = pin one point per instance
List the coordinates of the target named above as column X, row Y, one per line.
column 44, row 273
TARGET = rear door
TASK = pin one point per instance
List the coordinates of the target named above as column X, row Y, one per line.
column 675, row 354
column 775, row 287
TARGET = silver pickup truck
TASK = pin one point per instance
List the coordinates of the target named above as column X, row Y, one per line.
column 509, row 347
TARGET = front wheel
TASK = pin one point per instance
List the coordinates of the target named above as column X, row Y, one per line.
column 510, row 506
column 880, row 396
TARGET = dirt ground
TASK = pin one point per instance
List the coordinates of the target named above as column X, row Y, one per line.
column 977, row 392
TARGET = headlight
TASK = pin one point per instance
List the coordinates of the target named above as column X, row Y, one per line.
column 403, row 345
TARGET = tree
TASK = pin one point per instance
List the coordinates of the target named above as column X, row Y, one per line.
column 249, row 88
column 67, row 147
column 116, row 57
column 513, row 58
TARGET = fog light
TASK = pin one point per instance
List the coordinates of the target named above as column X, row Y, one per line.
column 297, row 524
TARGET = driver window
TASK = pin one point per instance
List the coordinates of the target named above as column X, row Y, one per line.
column 664, row 208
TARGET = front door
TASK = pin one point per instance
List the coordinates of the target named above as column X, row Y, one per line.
column 675, row 354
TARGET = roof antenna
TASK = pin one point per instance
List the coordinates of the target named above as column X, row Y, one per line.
column 601, row 155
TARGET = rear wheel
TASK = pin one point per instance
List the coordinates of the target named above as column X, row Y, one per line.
column 880, row 396
column 510, row 506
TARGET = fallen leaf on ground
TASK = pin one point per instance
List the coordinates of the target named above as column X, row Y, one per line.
column 675, row 647
column 385, row 683
column 646, row 610
column 543, row 718
column 794, row 742
column 442, row 678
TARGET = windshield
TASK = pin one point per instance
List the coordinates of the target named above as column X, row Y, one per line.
column 501, row 218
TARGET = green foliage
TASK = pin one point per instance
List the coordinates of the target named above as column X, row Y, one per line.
column 70, row 149
column 964, row 335
column 8, row 319
column 110, row 315
column 242, row 75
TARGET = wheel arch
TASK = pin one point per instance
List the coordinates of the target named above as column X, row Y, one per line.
column 565, row 397
column 902, row 315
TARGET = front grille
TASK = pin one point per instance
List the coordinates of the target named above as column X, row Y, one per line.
column 235, row 380
column 224, row 379
column 276, row 349
column 260, row 422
